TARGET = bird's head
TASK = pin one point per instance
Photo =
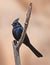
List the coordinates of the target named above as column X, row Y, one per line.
column 15, row 22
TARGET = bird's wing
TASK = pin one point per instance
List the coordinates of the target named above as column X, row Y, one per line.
column 18, row 33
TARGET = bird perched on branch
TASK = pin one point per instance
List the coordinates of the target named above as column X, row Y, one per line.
column 17, row 31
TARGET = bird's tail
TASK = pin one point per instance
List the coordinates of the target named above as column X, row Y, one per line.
column 33, row 49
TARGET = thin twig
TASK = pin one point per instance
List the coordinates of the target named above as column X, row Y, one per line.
column 16, row 45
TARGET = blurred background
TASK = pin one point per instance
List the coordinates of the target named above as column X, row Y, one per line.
column 38, row 31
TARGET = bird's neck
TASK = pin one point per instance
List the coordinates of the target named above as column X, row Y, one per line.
column 14, row 26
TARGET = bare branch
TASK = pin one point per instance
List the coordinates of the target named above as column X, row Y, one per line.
column 16, row 45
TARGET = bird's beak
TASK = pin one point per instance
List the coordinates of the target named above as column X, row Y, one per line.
column 12, row 24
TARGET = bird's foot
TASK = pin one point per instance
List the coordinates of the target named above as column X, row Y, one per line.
column 15, row 42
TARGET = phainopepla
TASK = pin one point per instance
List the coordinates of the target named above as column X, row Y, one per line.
column 17, row 31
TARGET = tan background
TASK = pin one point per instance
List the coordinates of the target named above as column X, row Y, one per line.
column 38, row 31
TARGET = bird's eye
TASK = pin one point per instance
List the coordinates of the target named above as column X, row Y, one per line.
column 15, row 24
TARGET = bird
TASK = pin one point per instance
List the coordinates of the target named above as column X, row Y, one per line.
column 17, row 31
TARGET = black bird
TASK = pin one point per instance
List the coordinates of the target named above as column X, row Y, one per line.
column 17, row 31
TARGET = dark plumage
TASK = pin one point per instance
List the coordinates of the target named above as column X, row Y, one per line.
column 17, row 31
